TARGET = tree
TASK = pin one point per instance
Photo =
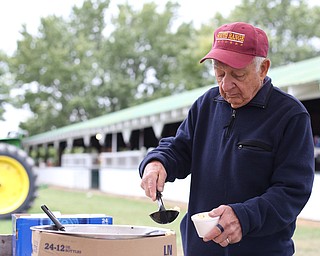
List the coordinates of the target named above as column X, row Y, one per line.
column 56, row 68
column 72, row 71
column 5, row 81
column 145, row 58
column 89, row 65
column 292, row 27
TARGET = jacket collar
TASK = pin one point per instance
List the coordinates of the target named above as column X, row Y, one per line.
column 262, row 97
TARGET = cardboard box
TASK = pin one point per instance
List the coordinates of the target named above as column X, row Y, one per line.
column 46, row 243
column 22, row 235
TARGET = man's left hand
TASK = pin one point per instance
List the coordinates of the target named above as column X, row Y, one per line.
column 231, row 228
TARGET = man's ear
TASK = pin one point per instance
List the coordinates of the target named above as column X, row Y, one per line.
column 264, row 68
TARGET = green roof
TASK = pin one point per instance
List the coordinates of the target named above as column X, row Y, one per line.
column 295, row 74
column 176, row 101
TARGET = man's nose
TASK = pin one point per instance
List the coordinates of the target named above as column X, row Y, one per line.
column 227, row 83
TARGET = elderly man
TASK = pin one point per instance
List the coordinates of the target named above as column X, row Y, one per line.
column 248, row 147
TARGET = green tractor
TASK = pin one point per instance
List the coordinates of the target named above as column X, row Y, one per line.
column 17, row 179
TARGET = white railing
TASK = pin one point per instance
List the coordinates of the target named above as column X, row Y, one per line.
column 89, row 160
column 123, row 160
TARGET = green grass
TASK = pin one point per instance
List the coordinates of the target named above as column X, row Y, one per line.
column 307, row 237
column 135, row 211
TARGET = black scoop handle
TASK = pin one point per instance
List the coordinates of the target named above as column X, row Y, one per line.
column 53, row 218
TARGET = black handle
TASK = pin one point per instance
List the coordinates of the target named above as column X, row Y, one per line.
column 160, row 202
column 53, row 218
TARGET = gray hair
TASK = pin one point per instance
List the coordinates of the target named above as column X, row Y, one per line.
column 258, row 61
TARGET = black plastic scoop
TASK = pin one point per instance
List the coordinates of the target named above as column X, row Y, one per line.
column 163, row 216
column 56, row 222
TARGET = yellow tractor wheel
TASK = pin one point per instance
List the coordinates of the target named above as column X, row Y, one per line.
column 17, row 181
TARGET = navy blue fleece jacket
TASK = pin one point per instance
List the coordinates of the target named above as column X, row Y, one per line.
column 258, row 159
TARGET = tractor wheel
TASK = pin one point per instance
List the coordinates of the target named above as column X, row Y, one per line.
column 17, row 181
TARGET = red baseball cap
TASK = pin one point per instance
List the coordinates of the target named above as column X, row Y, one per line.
column 236, row 44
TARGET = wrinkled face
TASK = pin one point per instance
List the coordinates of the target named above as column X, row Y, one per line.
column 239, row 86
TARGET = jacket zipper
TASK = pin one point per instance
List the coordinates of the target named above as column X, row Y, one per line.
column 255, row 145
column 231, row 122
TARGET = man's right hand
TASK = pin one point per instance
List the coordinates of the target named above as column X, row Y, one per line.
column 153, row 179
